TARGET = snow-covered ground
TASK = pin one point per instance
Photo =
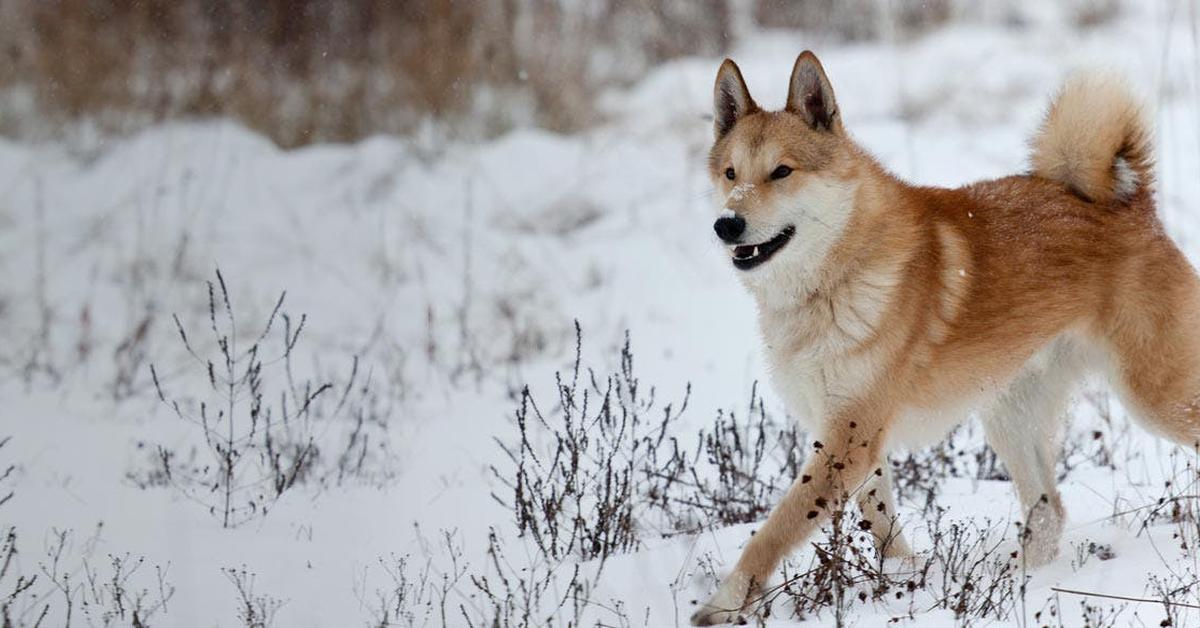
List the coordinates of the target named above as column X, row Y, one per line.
column 455, row 274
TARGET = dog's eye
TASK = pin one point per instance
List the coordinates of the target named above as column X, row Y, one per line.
column 730, row 174
column 780, row 172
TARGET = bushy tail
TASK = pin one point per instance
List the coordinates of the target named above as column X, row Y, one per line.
column 1094, row 139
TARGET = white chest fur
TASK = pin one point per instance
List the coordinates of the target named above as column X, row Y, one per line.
column 814, row 352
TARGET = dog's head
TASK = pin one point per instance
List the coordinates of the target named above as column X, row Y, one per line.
column 781, row 177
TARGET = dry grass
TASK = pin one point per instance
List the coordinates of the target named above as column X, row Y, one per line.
column 308, row 71
column 327, row 70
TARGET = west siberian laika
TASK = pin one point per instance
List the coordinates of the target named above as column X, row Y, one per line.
column 891, row 312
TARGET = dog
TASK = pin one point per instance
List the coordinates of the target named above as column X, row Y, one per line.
column 891, row 312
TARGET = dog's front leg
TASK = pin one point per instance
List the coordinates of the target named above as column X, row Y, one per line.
column 841, row 462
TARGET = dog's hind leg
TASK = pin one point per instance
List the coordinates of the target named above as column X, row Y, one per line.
column 877, row 501
column 1153, row 333
column 1023, row 429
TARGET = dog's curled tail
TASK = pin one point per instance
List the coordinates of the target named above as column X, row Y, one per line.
column 1095, row 141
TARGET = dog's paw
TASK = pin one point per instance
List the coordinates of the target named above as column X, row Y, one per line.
column 1041, row 538
column 725, row 606
column 1040, row 554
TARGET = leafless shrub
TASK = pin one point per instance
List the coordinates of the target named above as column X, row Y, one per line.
column 977, row 578
column 54, row 568
column 235, row 422
column 529, row 596
column 6, row 474
column 509, row 590
column 20, row 605
column 129, row 356
column 363, row 453
column 1093, row 613
column 15, row 588
column 258, row 441
column 37, row 360
column 965, row 571
column 612, row 471
column 1177, row 502
column 1177, row 586
column 402, row 602
column 578, row 496
column 153, row 470
column 918, row 475
column 1177, row 593
column 255, row 610
column 735, row 474
column 118, row 593
column 446, row 585
column 433, row 594
column 1094, row 447
column 64, row 339
column 112, row 598
column 1098, row 615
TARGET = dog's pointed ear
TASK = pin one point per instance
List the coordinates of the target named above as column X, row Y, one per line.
column 731, row 99
column 811, row 96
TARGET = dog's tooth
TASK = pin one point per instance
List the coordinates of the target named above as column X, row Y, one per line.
column 755, row 253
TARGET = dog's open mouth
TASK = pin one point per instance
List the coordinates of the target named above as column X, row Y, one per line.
column 748, row 256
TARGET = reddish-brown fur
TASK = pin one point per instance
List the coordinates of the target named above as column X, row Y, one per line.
column 930, row 298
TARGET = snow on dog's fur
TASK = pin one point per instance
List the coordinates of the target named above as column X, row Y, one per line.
column 890, row 312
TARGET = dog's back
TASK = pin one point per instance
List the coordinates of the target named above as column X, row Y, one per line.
column 1074, row 247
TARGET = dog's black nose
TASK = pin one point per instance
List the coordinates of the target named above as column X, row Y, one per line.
column 729, row 228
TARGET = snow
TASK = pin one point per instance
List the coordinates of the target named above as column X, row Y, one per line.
column 456, row 272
